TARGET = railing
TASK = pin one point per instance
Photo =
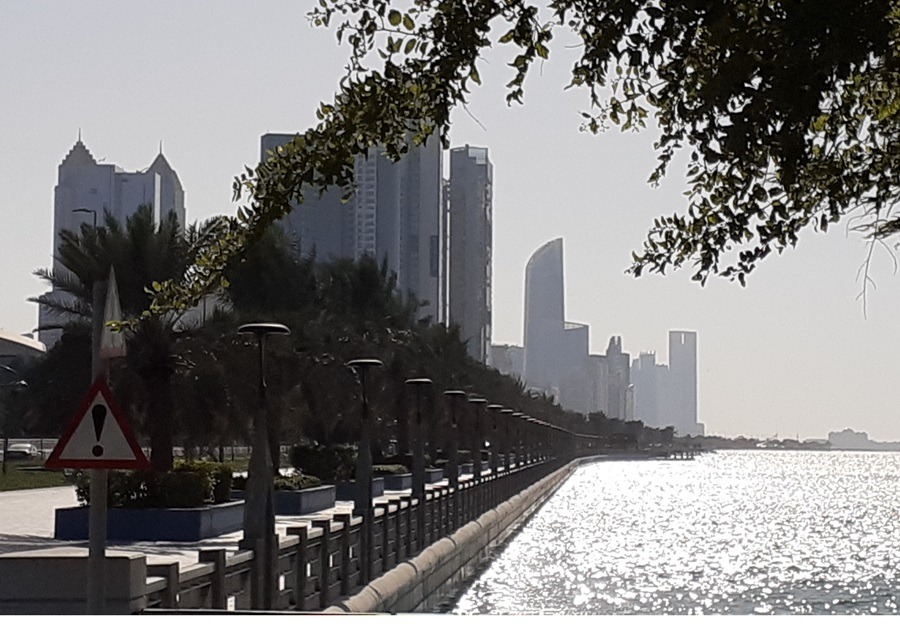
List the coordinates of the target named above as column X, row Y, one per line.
column 318, row 562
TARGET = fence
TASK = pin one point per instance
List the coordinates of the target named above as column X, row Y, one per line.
column 318, row 563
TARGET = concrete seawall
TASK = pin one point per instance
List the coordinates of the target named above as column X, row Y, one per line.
column 424, row 581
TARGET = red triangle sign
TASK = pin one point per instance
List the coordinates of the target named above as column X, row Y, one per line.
column 98, row 437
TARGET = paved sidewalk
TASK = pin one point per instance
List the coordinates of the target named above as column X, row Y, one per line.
column 27, row 517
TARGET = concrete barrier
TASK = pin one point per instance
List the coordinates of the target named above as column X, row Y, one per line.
column 424, row 581
column 53, row 581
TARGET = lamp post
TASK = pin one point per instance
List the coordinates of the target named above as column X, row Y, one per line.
column 507, row 415
column 12, row 385
column 259, row 507
column 520, row 441
column 418, row 484
column 453, row 397
column 362, row 502
column 478, row 404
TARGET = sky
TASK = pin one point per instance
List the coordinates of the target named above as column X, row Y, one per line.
column 794, row 354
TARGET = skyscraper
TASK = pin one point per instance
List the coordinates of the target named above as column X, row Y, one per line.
column 683, row 382
column 544, row 317
column 93, row 189
column 394, row 214
column 470, row 248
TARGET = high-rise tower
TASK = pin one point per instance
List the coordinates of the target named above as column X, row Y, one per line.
column 683, row 382
column 93, row 189
column 394, row 214
column 544, row 316
column 471, row 233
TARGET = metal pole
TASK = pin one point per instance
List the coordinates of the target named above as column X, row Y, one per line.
column 259, row 507
column 96, row 577
column 453, row 477
column 362, row 503
column 418, row 489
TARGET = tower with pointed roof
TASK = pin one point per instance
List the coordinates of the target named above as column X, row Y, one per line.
column 86, row 190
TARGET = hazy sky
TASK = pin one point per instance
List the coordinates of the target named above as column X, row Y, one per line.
column 792, row 353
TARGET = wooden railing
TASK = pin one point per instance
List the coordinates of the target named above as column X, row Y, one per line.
column 318, row 562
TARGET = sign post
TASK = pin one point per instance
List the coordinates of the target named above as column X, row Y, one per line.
column 102, row 442
column 98, row 439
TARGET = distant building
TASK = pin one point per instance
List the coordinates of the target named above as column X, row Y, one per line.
column 557, row 352
column 545, row 317
column 470, row 247
column 666, row 396
column 683, row 382
column 850, row 440
column 87, row 189
column 650, row 390
column 509, row 360
column 15, row 348
column 395, row 214
column 620, row 403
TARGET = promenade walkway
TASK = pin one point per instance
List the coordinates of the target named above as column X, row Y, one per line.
column 27, row 518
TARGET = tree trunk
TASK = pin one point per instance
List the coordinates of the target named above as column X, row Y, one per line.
column 160, row 423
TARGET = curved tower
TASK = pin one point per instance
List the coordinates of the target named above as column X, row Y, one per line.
column 544, row 316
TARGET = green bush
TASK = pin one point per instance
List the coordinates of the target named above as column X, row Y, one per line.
column 406, row 460
column 389, row 469
column 297, row 482
column 330, row 464
column 293, row 482
column 190, row 484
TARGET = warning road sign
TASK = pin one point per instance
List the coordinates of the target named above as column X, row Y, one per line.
column 99, row 436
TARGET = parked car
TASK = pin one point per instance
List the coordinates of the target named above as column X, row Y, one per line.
column 22, row 451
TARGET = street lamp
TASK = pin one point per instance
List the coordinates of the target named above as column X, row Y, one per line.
column 453, row 397
column 362, row 501
column 520, row 446
column 418, row 484
column 507, row 418
column 259, row 507
column 478, row 403
column 12, row 385
column 493, row 423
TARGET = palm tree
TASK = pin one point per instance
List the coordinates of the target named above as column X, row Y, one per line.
column 142, row 252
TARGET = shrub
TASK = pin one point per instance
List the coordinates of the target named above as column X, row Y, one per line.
column 292, row 482
column 389, row 469
column 330, row 464
column 297, row 482
column 406, row 460
column 190, row 484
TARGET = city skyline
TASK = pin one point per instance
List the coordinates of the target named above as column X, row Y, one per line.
column 86, row 67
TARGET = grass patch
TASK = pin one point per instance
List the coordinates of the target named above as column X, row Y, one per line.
column 18, row 479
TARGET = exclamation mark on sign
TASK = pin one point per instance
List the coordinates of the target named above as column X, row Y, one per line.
column 98, row 413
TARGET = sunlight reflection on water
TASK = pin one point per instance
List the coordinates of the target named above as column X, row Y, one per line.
column 732, row 532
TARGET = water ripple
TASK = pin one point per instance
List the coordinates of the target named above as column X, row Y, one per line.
column 731, row 532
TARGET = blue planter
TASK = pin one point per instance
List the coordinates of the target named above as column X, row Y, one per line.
column 299, row 502
column 164, row 525
column 346, row 490
column 433, row 475
column 398, row 481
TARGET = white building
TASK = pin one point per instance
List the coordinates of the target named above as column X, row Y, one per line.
column 87, row 190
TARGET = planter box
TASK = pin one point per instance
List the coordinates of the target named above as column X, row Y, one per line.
column 299, row 502
column 433, row 475
column 398, row 481
column 164, row 525
column 346, row 490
